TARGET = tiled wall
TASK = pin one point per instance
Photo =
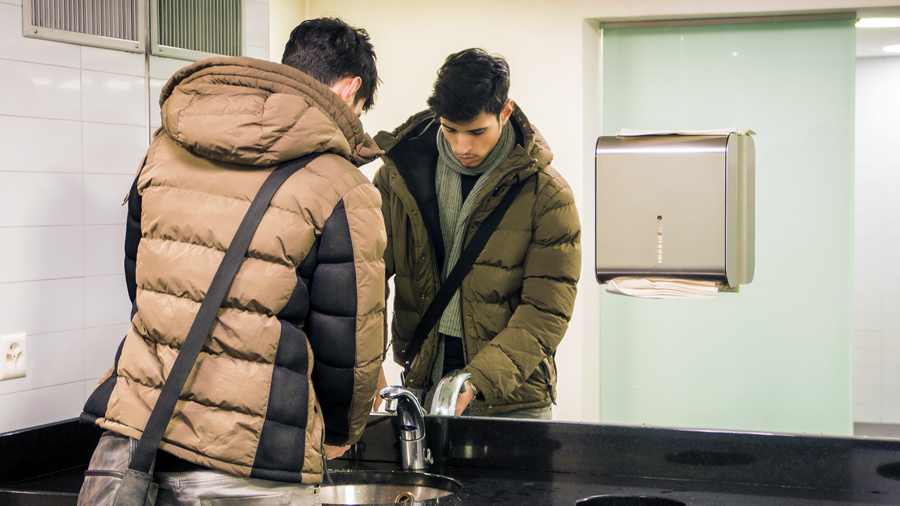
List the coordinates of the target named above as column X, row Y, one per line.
column 73, row 129
column 876, row 334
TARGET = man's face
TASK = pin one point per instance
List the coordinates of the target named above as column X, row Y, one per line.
column 473, row 141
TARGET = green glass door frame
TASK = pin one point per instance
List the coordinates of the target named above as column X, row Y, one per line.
column 776, row 356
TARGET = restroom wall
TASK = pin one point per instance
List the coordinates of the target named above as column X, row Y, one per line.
column 876, row 329
column 73, row 128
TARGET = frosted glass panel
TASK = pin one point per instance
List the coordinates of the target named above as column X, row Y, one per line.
column 776, row 356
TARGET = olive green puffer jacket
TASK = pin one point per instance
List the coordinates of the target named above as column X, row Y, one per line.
column 518, row 298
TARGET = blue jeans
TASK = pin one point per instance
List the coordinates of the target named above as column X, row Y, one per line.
column 215, row 488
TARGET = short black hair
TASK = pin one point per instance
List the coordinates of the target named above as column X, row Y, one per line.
column 470, row 82
column 328, row 50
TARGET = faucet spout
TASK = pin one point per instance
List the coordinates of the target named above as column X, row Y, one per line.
column 447, row 392
column 415, row 455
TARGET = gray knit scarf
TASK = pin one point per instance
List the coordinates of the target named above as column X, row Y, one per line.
column 454, row 213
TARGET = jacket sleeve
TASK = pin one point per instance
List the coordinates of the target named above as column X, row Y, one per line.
column 346, row 313
column 551, row 270
column 132, row 239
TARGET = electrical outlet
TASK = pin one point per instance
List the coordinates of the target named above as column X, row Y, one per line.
column 12, row 356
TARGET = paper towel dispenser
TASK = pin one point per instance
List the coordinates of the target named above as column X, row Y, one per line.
column 676, row 206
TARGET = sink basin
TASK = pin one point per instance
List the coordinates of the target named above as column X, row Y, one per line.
column 387, row 487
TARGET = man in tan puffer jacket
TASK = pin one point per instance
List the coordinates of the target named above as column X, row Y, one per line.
column 444, row 171
column 288, row 372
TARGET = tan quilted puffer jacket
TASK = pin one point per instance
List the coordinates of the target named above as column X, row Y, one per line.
column 293, row 357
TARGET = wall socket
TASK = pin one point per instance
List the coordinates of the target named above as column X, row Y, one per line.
column 12, row 356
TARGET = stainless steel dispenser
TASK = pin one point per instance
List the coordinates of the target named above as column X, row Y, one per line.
column 676, row 206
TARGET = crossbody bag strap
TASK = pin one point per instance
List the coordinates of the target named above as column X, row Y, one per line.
column 457, row 274
column 206, row 315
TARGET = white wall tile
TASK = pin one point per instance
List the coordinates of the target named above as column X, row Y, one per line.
column 39, row 91
column 104, row 250
column 100, row 346
column 164, row 68
column 113, row 149
column 103, row 196
column 866, row 413
column 38, row 253
column 869, row 247
column 864, row 301
column 865, row 267
column 890, row 341
column 15, row 46
column 890, row 415
column 866, row 395
column 52, row 359
column 24, row 145
column 42, row 406
column 113, row 98
column 116, row 62
column 256, row 24
column 260, row 53
column 156, row 86
column 891, row 278
column 867, row 284
column 890, row 321
column 866, row 320
column 867, row 359
column 42, row 307
column 890, row 376
column 865, row 377
column 106, row 301
column 866, row 340
column 40, row 199
column 890, row 398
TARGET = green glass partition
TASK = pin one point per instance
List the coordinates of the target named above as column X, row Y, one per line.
column 777, row 355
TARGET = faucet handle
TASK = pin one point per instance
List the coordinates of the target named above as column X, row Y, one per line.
column 447, row 392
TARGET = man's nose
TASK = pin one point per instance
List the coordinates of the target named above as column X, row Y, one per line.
column 463, row 145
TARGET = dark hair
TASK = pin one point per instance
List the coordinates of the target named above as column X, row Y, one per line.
column 470, row 82
column 328, row 50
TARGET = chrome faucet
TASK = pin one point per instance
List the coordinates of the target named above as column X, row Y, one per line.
column 447, row 392
column 416, row 457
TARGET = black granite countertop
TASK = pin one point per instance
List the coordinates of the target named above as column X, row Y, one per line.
column 517, row 488
column 517, row 462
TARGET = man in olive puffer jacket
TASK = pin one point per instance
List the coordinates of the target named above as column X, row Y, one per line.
column 289, row 370
column 444, row 171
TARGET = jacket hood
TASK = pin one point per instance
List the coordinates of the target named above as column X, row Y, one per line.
column 529, row 139
column 252, row 112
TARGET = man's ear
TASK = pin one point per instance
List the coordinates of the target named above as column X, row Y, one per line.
column 346, row 88
column 506, row 112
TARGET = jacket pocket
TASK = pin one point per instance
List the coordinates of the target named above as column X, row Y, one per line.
column 548, row 369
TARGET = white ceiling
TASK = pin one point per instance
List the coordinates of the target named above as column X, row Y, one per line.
column 869, row 41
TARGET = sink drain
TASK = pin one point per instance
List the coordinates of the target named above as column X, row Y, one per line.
column 405, row 497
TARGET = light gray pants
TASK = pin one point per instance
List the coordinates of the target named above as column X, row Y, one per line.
column 214, row 488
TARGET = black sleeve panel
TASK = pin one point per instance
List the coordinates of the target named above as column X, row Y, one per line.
column 132, row 239
column 332, row 324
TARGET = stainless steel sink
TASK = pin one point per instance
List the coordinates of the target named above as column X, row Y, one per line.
column 387, row 487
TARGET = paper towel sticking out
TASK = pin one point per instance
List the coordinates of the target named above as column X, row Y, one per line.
column 662, row 288
column 631, row 132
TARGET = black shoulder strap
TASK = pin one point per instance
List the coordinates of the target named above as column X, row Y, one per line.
column 206, row 315
column 457, row 274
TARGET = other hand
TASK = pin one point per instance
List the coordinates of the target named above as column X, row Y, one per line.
column 462, row 402
column 333, row 452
